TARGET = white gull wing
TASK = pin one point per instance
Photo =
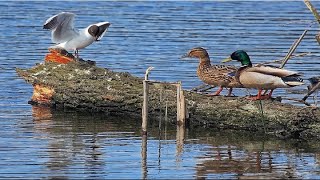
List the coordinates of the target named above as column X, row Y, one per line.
column 62, row 27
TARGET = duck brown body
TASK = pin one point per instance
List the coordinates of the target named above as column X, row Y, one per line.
column 216, row 75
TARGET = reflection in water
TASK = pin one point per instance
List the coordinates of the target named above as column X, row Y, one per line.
column 65, row 146
column 251, row 160
column 74, row 145
column 180, row 141
column 144, row 157
column 92, row 146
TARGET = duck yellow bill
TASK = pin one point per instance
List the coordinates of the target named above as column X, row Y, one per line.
column 226, row 60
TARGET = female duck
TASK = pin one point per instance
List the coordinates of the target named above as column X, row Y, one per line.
column 263, row 77
column 216, row 75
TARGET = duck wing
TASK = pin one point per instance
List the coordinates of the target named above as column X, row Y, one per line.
column 217, row 74
column 270, row 70
column 62, row 27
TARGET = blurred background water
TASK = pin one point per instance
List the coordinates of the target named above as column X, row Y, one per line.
column 42, row 143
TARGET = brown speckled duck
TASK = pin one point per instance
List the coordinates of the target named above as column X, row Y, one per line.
column 216, row 75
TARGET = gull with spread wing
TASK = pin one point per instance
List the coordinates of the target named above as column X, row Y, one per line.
column 67, row 37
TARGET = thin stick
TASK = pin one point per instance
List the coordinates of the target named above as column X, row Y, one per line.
column 290, row 50
column 166, row 112
column 313, row 10
column 200, row 87
column 263, row 121
column 160, row 104
column 293, row 48
column 311, row 91
column 297, row 100
column 207, row 88
column 315, row 14
column 161, row 82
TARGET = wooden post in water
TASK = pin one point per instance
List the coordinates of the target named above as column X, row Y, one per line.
column 178, row 101
column 181, row 118
column 145, row 102
column 144, row 124
column 181, row 105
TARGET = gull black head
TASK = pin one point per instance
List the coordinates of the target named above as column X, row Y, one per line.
column 93, row 30
column 98, row 30
column 197, row 52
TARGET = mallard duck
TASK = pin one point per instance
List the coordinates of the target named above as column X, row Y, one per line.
column 262, row 77
column 216, row 75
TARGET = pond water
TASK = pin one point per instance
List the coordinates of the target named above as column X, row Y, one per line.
column 43, row 143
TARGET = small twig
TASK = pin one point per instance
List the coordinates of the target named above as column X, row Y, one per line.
column 297, row 100
column 262, row 116
column 206, row 89
column 161, row 82
column 200, row 87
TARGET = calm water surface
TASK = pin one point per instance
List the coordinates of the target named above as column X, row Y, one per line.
column 42, row 143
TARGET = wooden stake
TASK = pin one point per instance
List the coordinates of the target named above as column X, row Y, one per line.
column 183, row 108
column 145, row 102
column 181, row 105
column 178, row 101
column 145, row 107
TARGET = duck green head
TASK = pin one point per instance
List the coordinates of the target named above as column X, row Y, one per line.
column 240, row 56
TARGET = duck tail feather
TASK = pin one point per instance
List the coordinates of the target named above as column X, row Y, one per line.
column 293, row 80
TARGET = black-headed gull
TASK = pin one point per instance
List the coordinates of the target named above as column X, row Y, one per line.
column 67, row 37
